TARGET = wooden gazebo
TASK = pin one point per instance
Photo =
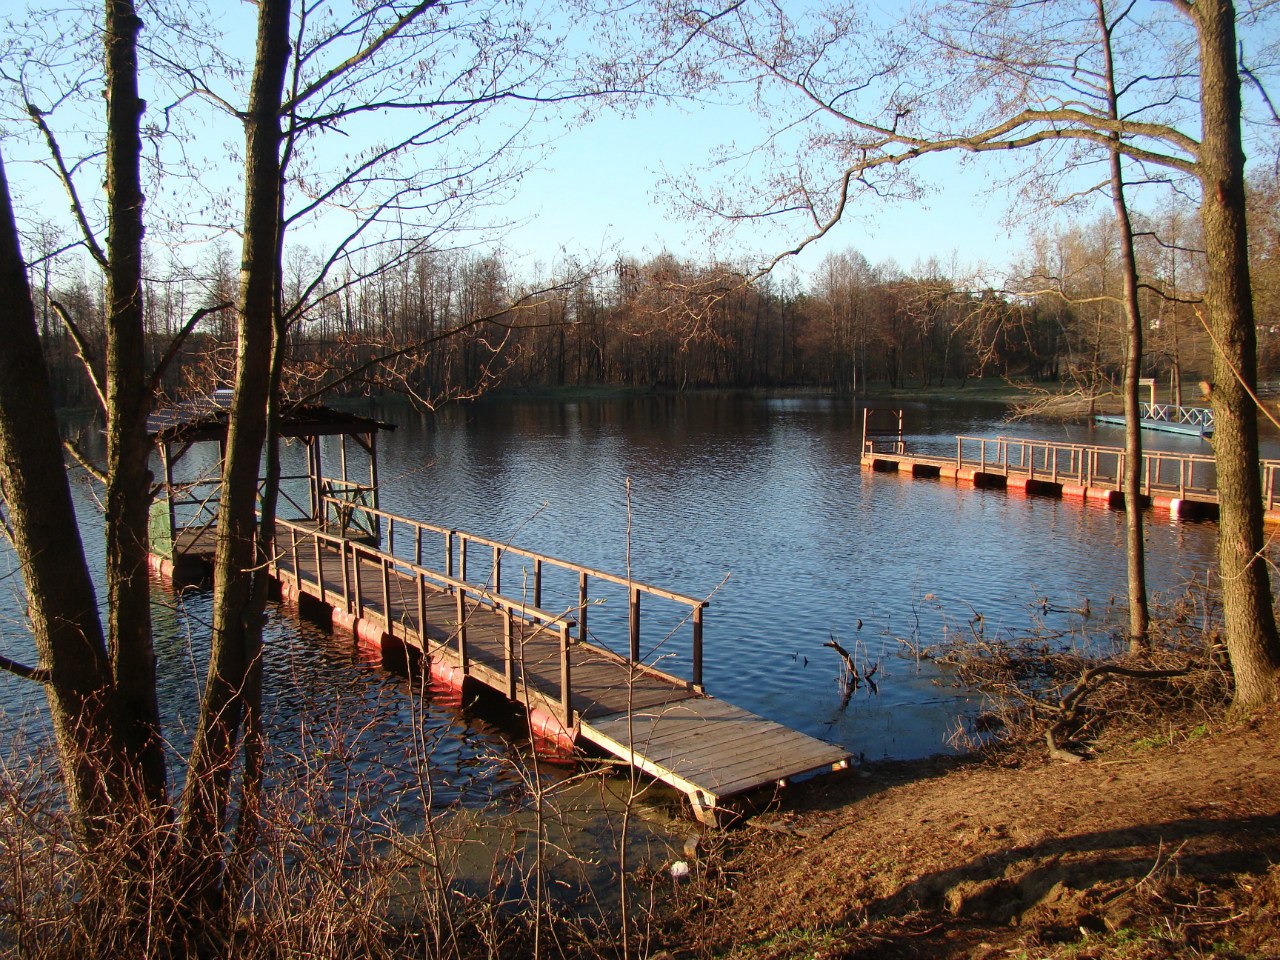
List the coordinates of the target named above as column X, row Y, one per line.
column 184, row 515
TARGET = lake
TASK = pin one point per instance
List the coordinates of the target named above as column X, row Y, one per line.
column 757, row 502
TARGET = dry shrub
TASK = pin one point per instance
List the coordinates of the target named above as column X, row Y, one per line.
column 328, row 876
column 1037, row 691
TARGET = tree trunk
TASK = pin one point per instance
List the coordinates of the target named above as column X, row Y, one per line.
column 1135, row 552
column 1246, row 591
column 128, row 492
column 238, row 602
column 61, row 604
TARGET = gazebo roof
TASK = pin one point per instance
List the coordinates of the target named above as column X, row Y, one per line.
column 207, row 418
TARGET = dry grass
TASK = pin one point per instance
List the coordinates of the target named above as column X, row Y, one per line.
column 328, row 877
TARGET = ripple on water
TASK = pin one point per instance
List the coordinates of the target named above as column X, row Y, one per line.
column 769, row 492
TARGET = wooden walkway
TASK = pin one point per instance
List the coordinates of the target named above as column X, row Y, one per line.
column 1185, row 484
column 576, row 691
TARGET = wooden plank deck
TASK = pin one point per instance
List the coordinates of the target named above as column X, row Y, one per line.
column 663, row 725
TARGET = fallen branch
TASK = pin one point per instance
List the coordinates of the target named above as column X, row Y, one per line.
column 1069, row 707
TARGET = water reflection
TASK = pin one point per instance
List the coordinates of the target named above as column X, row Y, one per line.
column 766, row 491
column 769, row 491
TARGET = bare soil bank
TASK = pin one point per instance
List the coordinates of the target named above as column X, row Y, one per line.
column 1154, row 849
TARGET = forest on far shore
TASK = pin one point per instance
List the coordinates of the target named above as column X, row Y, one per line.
column 453, row 324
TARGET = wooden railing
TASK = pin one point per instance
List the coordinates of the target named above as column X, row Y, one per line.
column 882, row 430
column 456, row 548
column 1199, row 417
column 347, row 505
column 467, row 596
column 1270, row 483
column 1087, row 465
column 195, row 503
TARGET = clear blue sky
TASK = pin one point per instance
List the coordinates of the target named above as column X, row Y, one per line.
column 598, row 193
column 600, row 190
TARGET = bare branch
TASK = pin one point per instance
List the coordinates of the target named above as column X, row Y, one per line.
column 83, row 460
column 83, row 350
column 77, row 208
column 357, row 58
column 1260, row 87
column 38, row 674
column 176, row 344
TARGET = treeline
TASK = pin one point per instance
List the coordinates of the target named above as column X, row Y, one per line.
column 452, row 324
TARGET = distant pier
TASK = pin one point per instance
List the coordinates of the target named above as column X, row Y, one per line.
column 1168, row 418
column 1184, row 484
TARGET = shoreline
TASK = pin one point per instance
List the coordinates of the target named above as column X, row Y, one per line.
column 1162, row 846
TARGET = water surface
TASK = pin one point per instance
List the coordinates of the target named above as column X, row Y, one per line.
column 758, row 503
column 768, row 493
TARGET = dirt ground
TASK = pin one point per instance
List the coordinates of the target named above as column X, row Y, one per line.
column 1160, row 847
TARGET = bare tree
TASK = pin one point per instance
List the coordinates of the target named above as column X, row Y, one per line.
column 313, row 72
column 1139, row 613
column 999, row 77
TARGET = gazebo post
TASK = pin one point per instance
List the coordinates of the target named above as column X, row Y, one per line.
column 166, row 460
column 373, row 481
column 317, row 492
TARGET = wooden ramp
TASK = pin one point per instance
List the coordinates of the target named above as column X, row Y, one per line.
column 576, row 691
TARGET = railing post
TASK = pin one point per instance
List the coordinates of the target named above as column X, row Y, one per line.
column 509, row 652
column 635, row 625
column 417, row 545
column 386, row 592
column 315, row 539
column 566, row 678
column 462, row 629
column 697, row 646
column 537, row 582
column 293, row 556
column 497, row 569
column 582, row 607
column 355, row 572
column 346, row 576
column 462, row 559
column 422, row 611
column 448, row 554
